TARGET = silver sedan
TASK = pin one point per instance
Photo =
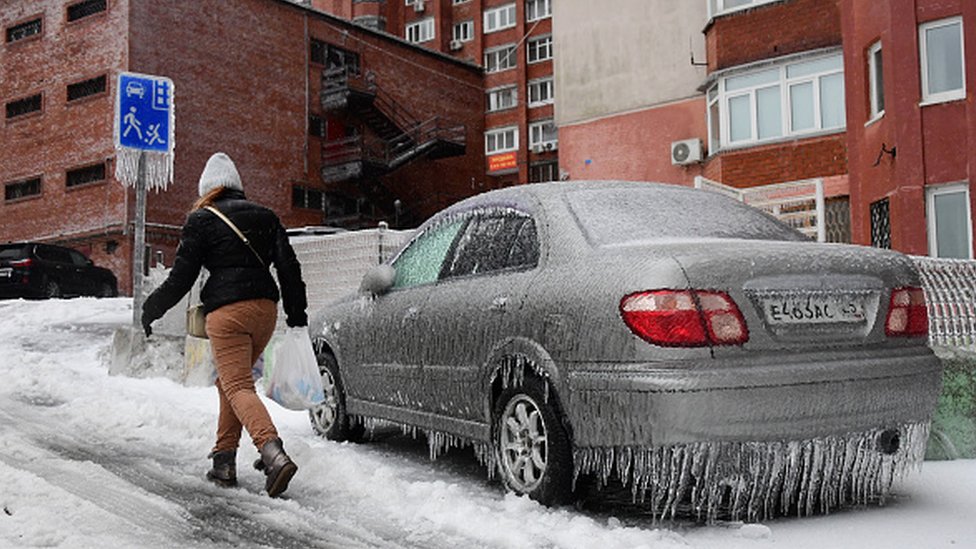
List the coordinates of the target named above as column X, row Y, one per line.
column 692, row 347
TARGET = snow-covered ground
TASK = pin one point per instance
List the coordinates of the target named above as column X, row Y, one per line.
column 92, row 460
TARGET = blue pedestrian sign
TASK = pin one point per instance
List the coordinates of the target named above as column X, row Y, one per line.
column 144, row 116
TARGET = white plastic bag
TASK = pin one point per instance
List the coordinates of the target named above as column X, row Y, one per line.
column 291, row 373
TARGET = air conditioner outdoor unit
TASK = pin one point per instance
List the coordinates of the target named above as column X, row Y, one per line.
column 552, row 146
column 456, row 45
column 418, row 6
column 686, row 151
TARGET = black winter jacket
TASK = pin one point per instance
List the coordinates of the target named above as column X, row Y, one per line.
column 235, row 272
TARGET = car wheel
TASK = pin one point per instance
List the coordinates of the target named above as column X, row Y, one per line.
column 105, row 290
column 330, row 419
column 533, row 448
column 52, row 289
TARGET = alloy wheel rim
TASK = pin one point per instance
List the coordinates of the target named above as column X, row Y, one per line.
column 327, row 412
column 523, row 444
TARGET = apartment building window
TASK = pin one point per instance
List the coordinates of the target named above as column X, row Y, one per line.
column 942, row 59
column 23, row 106
column 876, row 79
column 371, row 22
column 540, row 92
column 950, row 226
column 86, row 88
column 421, row 31
column 501, row 140
column 544, row 171
column 463, row 31
column 310, row 199
column 880, row 224
column 539, row 49
column 22, row 189
column 323, row 53
column 497, row 19
column 456, row 2
column 543, row 135
column 502, row 98
column 24, row 30
column 500, row 59
column 718, row 7
column 79, row 10
column 537, row 9
column 85, row 175
column 790, row 99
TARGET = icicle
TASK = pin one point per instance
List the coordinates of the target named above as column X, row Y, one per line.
column 159, row 168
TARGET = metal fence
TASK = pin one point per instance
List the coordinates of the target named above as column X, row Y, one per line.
column 950, row 291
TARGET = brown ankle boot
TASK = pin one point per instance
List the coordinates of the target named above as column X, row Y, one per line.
column 278, row 467
column 224, row 470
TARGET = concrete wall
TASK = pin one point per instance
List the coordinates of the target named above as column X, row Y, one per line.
column 632, row 56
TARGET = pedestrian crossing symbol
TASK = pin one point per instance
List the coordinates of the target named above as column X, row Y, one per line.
column 144, row 113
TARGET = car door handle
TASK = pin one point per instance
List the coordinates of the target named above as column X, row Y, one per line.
column 499, row 303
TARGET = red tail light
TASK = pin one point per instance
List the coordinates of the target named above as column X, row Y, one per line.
column 907, row 314
column 22, row 263
column 684, row 318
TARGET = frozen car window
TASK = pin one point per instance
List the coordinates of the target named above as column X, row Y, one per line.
column 12, row 253
column 621, row 216
column 421, row 261
column 492, row 243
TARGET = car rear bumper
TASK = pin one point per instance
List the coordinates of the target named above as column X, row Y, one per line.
column 797, row 398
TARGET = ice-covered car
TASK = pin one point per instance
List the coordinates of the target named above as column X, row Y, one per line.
column 696, row 348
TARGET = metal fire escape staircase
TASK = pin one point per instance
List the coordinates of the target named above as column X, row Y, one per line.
column 397, row 136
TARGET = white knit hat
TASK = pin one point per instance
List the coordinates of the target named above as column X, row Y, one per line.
column 219, row 172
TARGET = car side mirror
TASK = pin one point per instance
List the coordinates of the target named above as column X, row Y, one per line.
column 378, row 280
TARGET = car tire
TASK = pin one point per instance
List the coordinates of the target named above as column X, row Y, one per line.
column 52, row 290
column 105, row 290
column 330, row 419
column 532, row 445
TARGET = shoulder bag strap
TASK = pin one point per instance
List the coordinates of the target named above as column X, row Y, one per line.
column 230, row 224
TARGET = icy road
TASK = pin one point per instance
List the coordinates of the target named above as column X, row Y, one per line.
column 92, row 460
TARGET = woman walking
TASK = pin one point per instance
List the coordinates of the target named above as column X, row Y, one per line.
column 240, row 299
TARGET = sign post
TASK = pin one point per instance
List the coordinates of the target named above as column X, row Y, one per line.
column 145, row 121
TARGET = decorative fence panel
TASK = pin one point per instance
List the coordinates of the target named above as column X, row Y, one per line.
column 950, row 292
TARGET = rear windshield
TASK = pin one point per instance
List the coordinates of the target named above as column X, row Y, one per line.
column 13, row 253
column 631, row 215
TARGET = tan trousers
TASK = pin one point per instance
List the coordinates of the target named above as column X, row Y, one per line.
column 238, row 335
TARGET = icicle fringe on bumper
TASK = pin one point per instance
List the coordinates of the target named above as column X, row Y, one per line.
column 758, row 480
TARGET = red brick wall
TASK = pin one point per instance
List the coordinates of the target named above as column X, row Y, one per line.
column 63, row 136
column 779, row 162
column 772, row 30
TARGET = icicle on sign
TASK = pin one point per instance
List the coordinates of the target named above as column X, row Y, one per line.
column 145, row 120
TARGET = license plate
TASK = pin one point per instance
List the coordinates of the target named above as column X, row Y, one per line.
column 5, row 272
column 814, row 309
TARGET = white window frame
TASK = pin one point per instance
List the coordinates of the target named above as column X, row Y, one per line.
column 499, row 99
column 537, row 133
column 456, row 2
column 950, row 95
column 718, row 7
column 541, row 84
column 421, row 27
column 493, row 18
column 466, row 29
column 533, row 11
column 784, row 83
column 506, row 52
column 930, row 194
column 493, row 134
column 541, row 47
column 874, row 72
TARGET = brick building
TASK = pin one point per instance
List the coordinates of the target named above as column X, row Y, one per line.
column 870, row 99
column 512, row 40
column 254, row 78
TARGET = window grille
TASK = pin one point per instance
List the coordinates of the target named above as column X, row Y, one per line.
column 23, row 30
column 83, row 176
column 24, row 106
column 880, row 224
column 86, row 88
column 21, row 189
column 83, row 9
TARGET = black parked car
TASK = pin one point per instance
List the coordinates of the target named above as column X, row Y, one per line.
column 32, row 270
